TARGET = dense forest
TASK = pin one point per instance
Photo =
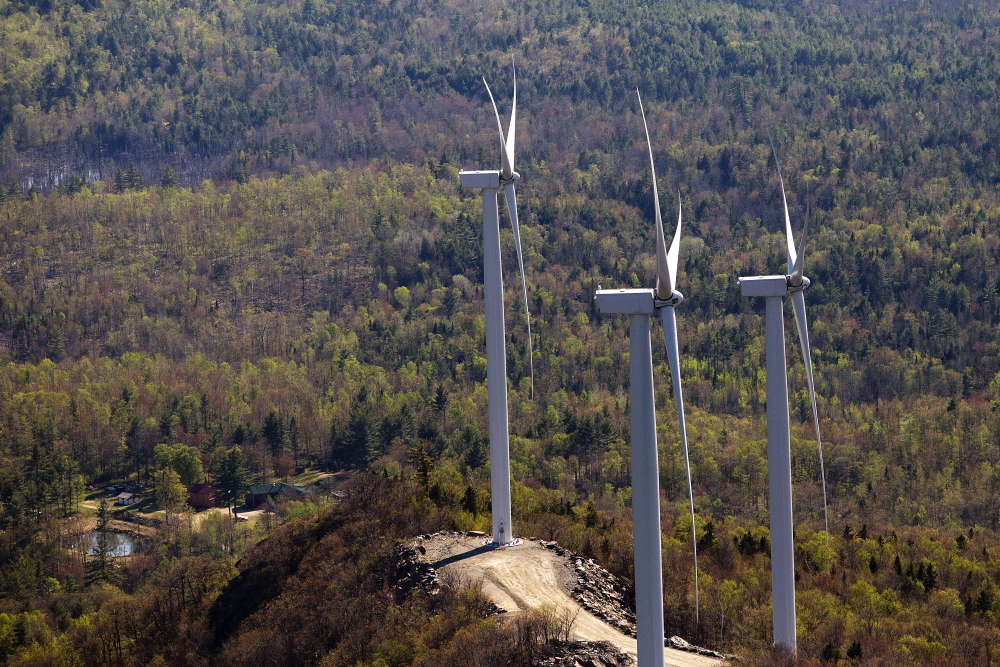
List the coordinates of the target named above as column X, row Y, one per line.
column 239, row 224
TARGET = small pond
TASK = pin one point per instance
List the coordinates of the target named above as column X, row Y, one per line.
column 118, row 544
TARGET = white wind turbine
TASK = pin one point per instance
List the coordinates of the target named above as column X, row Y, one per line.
column 774, row 289
column 639, row 305
column 490, row 183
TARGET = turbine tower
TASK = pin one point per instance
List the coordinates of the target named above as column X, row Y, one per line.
column 779, row 466
column 639, row 305
column 490, row 183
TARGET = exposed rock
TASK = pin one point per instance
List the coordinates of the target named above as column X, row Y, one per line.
column 411, row 572
column 598, row 591
column 585, row 654
column 682, row 645
column 594, row 588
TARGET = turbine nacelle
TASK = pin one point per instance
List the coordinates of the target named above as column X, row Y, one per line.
column 486, row 180
column 771, row 285
column 792, row 287
column 674, row 300
column 633, row 301
column 626, row 301
column 482, row 180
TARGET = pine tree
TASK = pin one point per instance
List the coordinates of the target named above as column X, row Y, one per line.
column 854, row 652
column 469, row 501
column 830, row 653
column 103, row 547
column 168, row 179
column 358, row 445
column 930, row 577
column 133, row 181
column 424, row 462
column 708, row 538
column 275, row 433
column 232, row 478
column 121, row 183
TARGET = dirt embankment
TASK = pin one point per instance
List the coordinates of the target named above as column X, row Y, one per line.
column 534, row 574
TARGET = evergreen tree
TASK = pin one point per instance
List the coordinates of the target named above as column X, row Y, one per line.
column 275, row 433
column 168, row 179
column 440, row 399
column 469, row 501
column 854, row 652
column 103, row 547
column 830, row 653
column 423, row 461
column 358, row 445
column 231, row 480
column 133, row 181
column 121, row 182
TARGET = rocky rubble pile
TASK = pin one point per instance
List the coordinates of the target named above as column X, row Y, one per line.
column 594, row 588
column 598, row 591
column 681, row 645
column 603, row 595
column 411, row 572
column 586, row 654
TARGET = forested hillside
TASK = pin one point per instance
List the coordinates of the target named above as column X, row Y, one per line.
column 239, row 224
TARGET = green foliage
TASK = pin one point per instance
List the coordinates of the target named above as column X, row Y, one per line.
column 816, row 551
column 170, row 492
column 855, row 652
column 231, row 477
column 358, row 445
column 103, row 546
column 341, row 562
column 169, row 179
column 265, row 245
column 183, row 460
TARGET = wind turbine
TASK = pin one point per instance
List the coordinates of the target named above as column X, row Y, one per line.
column 774, row 289
column 490, row 183
column 802, row 324
column 639, row 305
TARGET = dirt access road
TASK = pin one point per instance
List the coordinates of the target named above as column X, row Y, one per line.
column 526, row 576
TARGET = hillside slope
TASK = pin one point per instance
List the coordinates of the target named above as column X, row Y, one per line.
column 530, row 576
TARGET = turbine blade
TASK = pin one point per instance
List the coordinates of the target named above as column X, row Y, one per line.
column 675, row 248
column 669, row 321
column 799, row 307
column 512, row 211
column 505, row 169
column 664, row 278
column 796, row 273
column 788, row 223
column 513, row 121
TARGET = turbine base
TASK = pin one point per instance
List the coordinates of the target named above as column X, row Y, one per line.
column 496, row 545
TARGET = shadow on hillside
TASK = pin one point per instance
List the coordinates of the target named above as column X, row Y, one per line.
column 462, row 556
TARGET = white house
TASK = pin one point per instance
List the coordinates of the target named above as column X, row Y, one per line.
column 126, row 498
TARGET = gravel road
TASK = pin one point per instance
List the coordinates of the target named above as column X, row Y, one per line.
column 526, row 576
